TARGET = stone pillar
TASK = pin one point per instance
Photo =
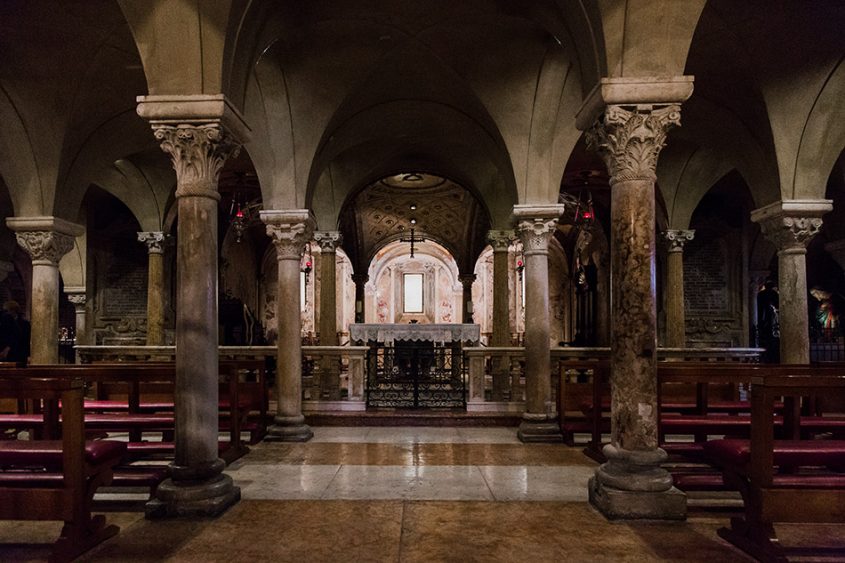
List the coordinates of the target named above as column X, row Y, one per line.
column 155, row 286
column 360, row 295
column 77, row 296
column 46, row 240
column 675, row 319
column 330, row 372
column 535, row 225
column 501, row 242
column 627, row 121
column 289, row 230
column 198, row 133
column 790, row 225
column 466, row 300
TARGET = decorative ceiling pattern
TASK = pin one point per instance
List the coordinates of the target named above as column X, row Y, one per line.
column 445, row 212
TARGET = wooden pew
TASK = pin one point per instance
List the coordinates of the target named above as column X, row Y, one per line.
column 793, row 493
column 57, row 479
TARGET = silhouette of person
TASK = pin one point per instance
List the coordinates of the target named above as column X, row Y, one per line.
column 768, row 324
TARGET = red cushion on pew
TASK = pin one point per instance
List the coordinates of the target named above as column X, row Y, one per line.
column 30, row 479
column 737, row 453
column 48, row 453
column 21, row 419
column 699, row 481
column 809, row 481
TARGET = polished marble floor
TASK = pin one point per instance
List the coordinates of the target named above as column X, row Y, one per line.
column 406, row 495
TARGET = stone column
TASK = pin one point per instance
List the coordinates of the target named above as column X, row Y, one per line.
column 77, row 296
column 466, row 300
column 155, row 285
column 535, row 225
column 790, row 225
column 289, row 230
column 360, row 295
column 675, row 319
column 198, row 133
column 501, row 242
column 46, row 240
column 330, row 373
column 627, row 121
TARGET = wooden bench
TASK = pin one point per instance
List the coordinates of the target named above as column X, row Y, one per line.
column 809, row 484
column 57, row 479
column 129, row 413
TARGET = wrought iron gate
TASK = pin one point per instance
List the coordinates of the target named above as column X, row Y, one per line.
column 415, row 375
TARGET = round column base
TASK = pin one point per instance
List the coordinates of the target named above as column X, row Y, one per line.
column 539, row 428
column 289, row 429
column 193, row 498
column 617, row 504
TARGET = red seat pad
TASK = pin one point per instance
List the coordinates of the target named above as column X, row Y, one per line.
column 737, row 453
column 30, row 479
column 48, row 453
column 714, row 423
column 699, row 481
column 7, row 420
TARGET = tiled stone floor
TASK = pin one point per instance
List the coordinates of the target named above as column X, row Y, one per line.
column 409, row 494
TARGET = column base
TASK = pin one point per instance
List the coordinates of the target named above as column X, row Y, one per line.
column 193, row 498
column 539, row 428
column 289, row 429
column 617, row 504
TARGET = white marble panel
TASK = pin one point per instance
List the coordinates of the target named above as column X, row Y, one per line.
column 523, row 483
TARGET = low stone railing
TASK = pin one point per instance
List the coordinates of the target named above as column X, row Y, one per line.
column 496, row 380
column 349, row 359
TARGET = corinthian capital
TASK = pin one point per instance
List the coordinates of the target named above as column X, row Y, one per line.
column 676, row 239
column 198, row 153
column 328, row 240
column 154, row 241
column 500, row 240
column 535, row 225
column 289, row 230
column 791, row 224
column 45, row 239
column 630, row 138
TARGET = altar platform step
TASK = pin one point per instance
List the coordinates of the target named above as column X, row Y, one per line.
column 412, row 417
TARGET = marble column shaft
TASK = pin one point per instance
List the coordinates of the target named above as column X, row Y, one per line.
column 155, row 286
column 466, row 297
column 501, row 242
column 790, row 225
column 330, row 379
column 77, row 297
column 675, row 316
column 289, row 230
column 46, row 240
column 535, row 226
column 360, row 281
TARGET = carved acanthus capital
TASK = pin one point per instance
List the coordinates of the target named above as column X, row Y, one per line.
column 45, row 247
column 198, row 152
column 675, row 239
column 78, row 300
column 500, row 240
column 154, row 240
column 630, row 138
column 289, row 231
column 791, row 224
column 466, row 279
column 328, row 240
column 535, row 234
column 791, row 233
column 360, row 279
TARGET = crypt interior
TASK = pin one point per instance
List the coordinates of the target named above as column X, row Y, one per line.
column 479, row 196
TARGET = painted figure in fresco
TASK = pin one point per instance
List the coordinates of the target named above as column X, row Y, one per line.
column 827, row 309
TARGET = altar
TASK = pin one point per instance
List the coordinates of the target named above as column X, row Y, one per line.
column 415, row 365
column 387, row 334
